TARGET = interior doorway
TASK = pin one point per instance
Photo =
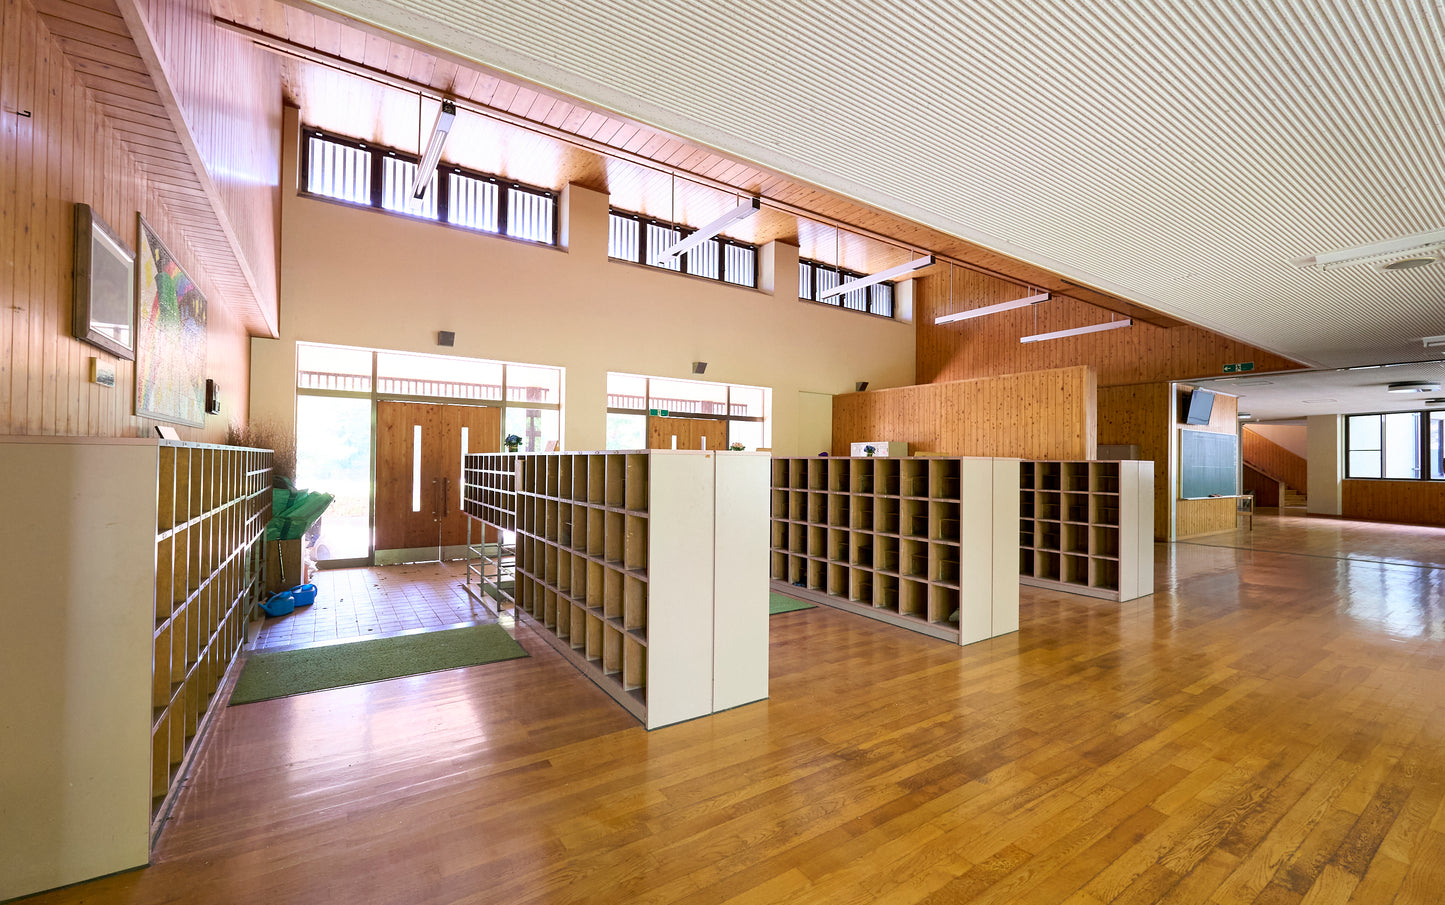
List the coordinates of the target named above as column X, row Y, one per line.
column 419, row 449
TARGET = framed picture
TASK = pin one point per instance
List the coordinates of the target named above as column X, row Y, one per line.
column 103, row 309
column 170, row 359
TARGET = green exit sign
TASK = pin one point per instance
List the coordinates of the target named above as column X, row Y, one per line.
column 1239, row 366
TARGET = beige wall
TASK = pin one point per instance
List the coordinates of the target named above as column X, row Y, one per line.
column 364, row 278
column 1293, row 437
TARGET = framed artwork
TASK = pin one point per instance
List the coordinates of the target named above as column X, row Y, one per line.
column 103, row 306
column 170, row 360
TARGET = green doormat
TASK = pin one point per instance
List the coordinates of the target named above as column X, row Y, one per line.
column 782, row 603
column 276, row 675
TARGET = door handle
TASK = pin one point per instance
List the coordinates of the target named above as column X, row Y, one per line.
column 446, row 496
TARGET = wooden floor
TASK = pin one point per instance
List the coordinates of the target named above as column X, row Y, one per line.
column 1269, row 727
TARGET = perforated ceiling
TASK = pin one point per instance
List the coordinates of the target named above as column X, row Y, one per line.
column 1181, row 155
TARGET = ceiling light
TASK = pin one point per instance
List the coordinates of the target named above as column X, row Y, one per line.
column 1076, row 331
column 992, row 309
column 1364, row 367
column 1317, row 401
column 1381, row 254
column 1414, row 386
column 1435, row 401
column 741, row 212
column 424, row 170
column 1409, row 262
column 1244, row 416
column 880, row 276
column 1433, row 342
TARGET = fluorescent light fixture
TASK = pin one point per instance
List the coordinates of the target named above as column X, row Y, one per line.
column 1077, row 331
column 879, row 277
column 445, row 117
column 1244, row 416
column 1381, row 254
column 1433, row 342
column 741, row 212
column 1364, row 367
column 992, row 309
column 1413, row 386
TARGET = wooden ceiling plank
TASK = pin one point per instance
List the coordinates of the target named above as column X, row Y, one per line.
column 106, row 71
column 65, row 10
column 81, row 33
column 353, row 44
column 118, row 61
column 300, row 26
column 558, row 114
column 327, row 35
column 608, row 130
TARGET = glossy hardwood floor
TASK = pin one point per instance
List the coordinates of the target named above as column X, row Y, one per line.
column 1268, row 727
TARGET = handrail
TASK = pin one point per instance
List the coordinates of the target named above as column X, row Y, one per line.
column 1274, row 461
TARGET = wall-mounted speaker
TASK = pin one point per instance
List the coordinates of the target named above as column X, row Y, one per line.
column 446, row 338
column 699, row 366
column 213, row 397
column 860, row 386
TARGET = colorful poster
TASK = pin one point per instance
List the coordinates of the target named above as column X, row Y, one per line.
column 170, row 359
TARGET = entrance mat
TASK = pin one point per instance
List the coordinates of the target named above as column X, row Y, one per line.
column 283, row 673
column 782, row 603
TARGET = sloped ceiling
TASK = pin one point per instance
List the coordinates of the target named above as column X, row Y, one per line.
column 1179, row 155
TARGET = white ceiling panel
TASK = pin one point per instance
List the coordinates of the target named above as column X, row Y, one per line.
column 1180, row 154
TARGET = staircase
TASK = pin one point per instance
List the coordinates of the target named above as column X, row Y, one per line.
column 1276, row 476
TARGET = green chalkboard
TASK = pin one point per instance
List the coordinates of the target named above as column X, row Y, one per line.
column 1208, row 464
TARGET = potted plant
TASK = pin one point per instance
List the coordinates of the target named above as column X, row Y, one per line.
column 869, row 450
column 512, row 442
column 736, row 447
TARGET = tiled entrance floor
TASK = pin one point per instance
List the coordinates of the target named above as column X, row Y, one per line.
column 376, row 601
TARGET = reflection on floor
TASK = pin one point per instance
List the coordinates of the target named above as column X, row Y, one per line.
column 352, row 604
column 1266, row 727
column 1289, row 531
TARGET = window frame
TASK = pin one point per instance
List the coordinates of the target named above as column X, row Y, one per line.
column 728, row 418
column 644, row 258
column 443, row 190
column 1423, row 423
column 813, row 268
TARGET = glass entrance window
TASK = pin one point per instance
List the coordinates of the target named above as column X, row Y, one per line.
column 333, row 453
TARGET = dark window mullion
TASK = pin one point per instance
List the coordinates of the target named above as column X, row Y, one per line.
column 504, row 203
column 444, row 196
column 377, row 166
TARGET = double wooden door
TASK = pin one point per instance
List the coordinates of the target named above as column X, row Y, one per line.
column 691, row 433
column 419, row 449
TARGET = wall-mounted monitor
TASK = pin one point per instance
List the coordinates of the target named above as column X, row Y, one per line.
column 1199, row 407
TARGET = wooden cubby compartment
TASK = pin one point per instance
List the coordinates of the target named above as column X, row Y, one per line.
column 585, row 576
column 1091, row 535
column 212, row 505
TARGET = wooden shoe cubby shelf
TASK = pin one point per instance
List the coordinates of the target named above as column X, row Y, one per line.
column 134, row 565
column 1087, row 527
column 916, row 542
column 647, row 570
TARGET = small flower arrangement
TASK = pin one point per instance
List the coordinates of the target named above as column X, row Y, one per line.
column 736, row 447
column 512, row 442
column 869, row 450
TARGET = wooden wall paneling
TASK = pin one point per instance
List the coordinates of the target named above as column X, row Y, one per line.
column 1207, row 516
column 1141, row 353
column 229, row 93
column 1044, row 415
column 68, row 151
column 9, row 124
column 1405, row 502
column 1139, row 414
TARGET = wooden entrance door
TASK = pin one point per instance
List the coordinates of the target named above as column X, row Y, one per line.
column 419, row 448
column 690, row 433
